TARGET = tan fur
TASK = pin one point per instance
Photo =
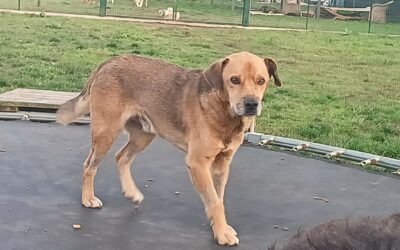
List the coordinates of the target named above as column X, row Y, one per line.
column 200, row 112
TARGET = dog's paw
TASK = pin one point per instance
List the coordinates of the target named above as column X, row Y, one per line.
column 93, row 202
column 226, row 236
column 135, row 195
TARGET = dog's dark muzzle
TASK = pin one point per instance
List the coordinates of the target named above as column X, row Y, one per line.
column 250, row 106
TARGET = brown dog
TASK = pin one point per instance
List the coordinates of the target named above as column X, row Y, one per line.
column 203, row 113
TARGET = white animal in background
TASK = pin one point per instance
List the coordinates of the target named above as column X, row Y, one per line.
column 168, row 13
column 110, row 1
column 139, row 3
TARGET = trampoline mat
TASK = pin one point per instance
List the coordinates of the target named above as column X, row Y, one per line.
column 40, row 178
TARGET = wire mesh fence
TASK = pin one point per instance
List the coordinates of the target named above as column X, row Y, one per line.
column 214, row 11
column 359, row 16
column 62, row 6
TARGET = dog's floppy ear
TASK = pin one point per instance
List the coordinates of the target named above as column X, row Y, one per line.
column 273, row 70
column 213, row 73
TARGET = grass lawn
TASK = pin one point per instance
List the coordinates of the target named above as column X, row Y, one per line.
column 342, row 90
column 202, row 11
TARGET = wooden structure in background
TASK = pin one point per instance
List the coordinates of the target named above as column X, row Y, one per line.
column 379, row 12
column 334, row 13
column 291, row 7
column 33, row 100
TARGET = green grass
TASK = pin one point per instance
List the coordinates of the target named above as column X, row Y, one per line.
column 342, row 90
column 202, row 11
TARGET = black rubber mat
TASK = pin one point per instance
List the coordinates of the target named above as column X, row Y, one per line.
column 40, row 180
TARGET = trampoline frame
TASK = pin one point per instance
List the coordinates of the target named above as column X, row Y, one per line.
column 329, row 152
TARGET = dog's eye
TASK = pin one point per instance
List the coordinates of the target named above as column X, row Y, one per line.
column 235, row 80
column 261, row 81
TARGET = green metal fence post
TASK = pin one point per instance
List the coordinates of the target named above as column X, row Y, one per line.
column 308, row 13
column 246, row 13
column 370, row 17
column 19, row 4
column 175, row 10
column 103, row 7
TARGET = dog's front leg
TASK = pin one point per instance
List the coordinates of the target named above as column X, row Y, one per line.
column 221, row 165
column 220, row 172
column 199, row 167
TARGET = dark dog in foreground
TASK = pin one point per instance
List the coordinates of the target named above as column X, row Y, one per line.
column 366, row 233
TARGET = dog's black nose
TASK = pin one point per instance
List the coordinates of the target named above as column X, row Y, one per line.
column 250, row 103
column 250, row 106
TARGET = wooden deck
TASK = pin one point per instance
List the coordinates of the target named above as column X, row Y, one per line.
column 33, row 100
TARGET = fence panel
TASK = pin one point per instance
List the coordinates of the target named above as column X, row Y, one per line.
column 385, row 17
column 334, row 15
column 211, row 11
column 273, row 14
column 353, row 16
column 207, row 11
column 12, row 4
column 63, row 6
column 140, row 8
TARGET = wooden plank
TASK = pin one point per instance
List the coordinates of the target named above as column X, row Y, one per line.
column 265, row 14
column 34, row 99
column 336, row 9
column 8, row 109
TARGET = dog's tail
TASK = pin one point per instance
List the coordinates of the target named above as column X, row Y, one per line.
column 77, row 106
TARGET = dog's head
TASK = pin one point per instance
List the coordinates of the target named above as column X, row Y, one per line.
column 242, row 79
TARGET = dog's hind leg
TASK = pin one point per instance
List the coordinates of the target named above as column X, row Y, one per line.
column 107, row 120
column 102, row 140
column 138, row 140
